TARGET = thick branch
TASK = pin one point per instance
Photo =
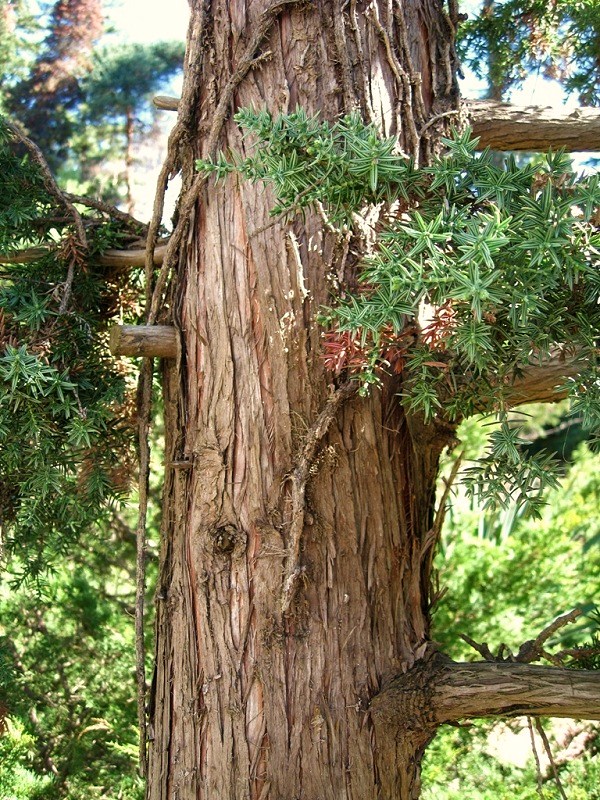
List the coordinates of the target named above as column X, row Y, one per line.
column 165, row 103
column 542, row 383
column 131, row 258
column 160, row 341
column 503, row 126
column 441, row 691
column 484, row 689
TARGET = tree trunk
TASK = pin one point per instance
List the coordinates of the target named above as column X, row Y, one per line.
column 129, row 131
column 295, row 562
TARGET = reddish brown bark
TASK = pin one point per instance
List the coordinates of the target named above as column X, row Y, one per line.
column 255, row 698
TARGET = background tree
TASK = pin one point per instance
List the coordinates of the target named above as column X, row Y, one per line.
column 44, row 99
column 509, row 40
column 67, row 680
column 117, row 105
column 84, row 105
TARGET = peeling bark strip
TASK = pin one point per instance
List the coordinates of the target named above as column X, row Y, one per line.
column 502, row 126
column 144, row 405
column 249, row 702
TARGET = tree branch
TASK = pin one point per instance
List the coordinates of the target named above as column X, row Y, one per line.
column 126, row 259
column 483, row 689
column 108, row 209
column 503, row 126
column 541, row 383
column 449, row 691
column 165, row 103
column 49, row 181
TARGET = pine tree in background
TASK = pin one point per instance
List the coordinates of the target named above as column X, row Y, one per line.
column 504, row 42
column 117, row 113
column 43, row 102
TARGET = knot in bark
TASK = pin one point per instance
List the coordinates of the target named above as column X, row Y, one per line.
column 225, row 538
column 406, row 704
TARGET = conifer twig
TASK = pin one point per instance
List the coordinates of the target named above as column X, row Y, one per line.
column 54, row 189
column 540, row 729
column 49, row 181
column 107, row 208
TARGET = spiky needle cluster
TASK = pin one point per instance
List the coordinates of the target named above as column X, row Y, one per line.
column 478, row 271
column 66, row 412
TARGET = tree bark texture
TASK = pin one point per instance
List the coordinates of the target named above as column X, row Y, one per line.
column 295, row 561
column 503, row 126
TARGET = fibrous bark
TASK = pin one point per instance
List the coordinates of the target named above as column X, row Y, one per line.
column 289, row 592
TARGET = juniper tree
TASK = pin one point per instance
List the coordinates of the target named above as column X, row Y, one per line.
column 326, row 356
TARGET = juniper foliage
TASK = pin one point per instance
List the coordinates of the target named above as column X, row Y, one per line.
column 66, row 411
column 477, row 271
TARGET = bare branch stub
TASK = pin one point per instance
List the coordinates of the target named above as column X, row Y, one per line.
column 149, row 341
column 503, row 126
column 483, row 649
